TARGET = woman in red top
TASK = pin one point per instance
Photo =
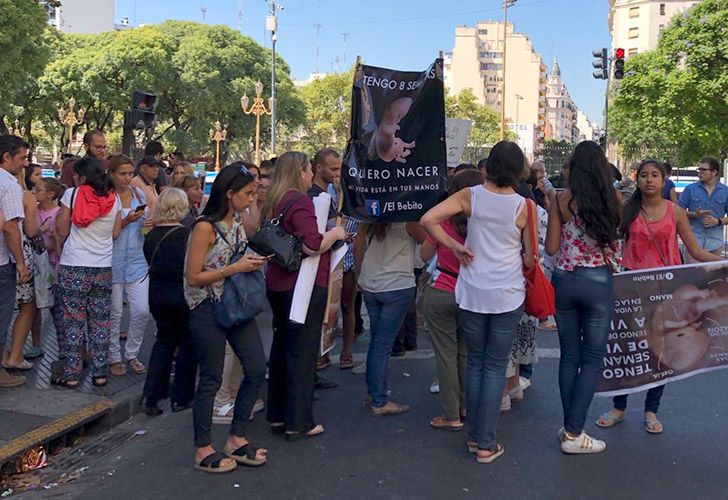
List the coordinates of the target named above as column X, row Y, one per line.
column 651, row 226
column 441, row 312
column 292, row 366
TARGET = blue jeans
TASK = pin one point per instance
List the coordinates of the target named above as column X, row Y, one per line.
column 387, row 311
column 652, row 400
column 490, row 339
column 584, row 307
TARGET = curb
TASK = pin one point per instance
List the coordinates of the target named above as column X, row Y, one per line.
column 65, row 431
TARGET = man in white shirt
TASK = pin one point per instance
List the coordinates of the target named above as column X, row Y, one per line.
column 13, row 158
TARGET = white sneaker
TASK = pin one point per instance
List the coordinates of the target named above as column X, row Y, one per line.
column 505, row 403
column 359, row 369
column 516, row 394
column 435, row 387
column 581, row 444
column 223, row 414
column 524, row 383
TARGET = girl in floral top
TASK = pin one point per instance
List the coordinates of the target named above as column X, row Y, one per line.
column 206, row 267
column 583, row 228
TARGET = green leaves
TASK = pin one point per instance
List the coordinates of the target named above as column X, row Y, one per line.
column 673, row 103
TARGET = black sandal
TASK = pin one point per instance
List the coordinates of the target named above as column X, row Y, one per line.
column 100, row 380
column 63, row 382
column 212, row 464
column 246, row 455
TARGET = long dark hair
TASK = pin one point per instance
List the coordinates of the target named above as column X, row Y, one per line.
column 90, row 169
column 593, row 197
column 633, row 206
column 463, row 179
column 29, row 172
column 233, row 178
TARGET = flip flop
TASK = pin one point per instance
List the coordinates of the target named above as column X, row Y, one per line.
column 651, row 426
column 245, row 455
column 212, row 464
column 316, row 430
column 494, row 455
column 609, row 420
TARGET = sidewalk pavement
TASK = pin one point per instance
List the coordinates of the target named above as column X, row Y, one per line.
column 39, row 413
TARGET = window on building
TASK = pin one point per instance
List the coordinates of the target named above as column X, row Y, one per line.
column 482, row 31
column 662, row 9
column 485, row 54
column 632, row 51
column 490, row 67
column 634, row 32
column 634, row 12
column 662, row 28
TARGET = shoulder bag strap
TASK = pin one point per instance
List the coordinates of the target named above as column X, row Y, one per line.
column 530, row 206
column 558, row 209
column 73, row 197
column 289, row 205
column 643, row 214
column 159, row 243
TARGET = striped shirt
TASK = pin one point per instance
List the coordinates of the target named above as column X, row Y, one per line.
column 11, row 205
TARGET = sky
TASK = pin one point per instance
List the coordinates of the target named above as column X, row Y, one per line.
column 401, row 34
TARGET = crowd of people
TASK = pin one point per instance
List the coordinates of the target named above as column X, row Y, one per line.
column 111, row 231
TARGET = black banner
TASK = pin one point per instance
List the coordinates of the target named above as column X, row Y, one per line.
column 395, row 163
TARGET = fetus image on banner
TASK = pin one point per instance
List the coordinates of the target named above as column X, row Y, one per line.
column 387, row 145
column 681, row 328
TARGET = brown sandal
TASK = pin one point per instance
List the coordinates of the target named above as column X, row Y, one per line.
column 446, row 425
column 346, row 361
column 117, row 369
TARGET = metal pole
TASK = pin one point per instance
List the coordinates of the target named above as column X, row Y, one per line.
column 606, row 109
column 274, row 105
column 503, row 83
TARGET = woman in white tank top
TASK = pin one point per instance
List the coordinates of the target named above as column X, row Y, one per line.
column 490, row 290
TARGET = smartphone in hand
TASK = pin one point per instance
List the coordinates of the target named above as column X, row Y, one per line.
column 140, row 208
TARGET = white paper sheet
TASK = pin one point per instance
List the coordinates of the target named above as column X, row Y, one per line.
column 309, row 266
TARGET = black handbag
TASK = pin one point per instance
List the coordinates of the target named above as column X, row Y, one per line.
column 272, row 239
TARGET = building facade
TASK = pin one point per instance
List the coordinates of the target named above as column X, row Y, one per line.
column 635, row 25
column 561, row 112
column 476, row 62
column 80, row 16
column 588, row 130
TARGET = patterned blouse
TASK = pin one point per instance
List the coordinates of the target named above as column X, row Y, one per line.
column 218, row 257
column 578, row 249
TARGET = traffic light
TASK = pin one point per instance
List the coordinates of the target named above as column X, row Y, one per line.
column 618, row 64
column 601, row 64
column 142, row 115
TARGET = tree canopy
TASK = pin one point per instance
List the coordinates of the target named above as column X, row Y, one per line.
column 23, row 32
column 673, row 100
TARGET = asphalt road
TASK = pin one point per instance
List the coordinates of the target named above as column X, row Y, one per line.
column 361, row 456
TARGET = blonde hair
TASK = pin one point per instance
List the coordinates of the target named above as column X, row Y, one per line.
column 171, row 206
column 189, row 168
column 286, row 176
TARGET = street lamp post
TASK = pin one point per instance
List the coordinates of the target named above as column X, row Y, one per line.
column 16, row 130
column 257, row 109
column 69, row 119
column 518, row 99
column 218, row 134
column 271, row 24
column 506, row 4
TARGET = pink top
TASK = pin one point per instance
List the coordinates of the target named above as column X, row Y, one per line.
column 578, row 249
column 46, row 235
column 639, row 250
column 448, row 265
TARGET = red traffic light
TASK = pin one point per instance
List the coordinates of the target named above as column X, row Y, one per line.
column 619, row 53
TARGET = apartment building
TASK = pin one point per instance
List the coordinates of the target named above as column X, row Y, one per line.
column 635, row 25
column 80, row 16
column 476, row 62
column 561, row 111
